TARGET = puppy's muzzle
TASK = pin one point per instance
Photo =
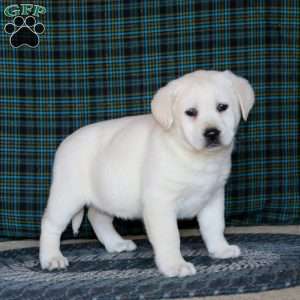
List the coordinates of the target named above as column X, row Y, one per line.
column 212, row 137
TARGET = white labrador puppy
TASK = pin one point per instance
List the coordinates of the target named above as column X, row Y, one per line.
column 167, row 165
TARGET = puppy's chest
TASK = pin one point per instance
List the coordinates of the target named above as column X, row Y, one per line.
column 199, row 189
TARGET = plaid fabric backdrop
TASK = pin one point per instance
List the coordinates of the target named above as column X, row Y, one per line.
column 99, row 60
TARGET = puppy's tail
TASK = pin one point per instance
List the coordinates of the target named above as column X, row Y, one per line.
column 76, row 221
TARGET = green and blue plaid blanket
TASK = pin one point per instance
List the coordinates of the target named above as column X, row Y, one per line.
column 87, row 61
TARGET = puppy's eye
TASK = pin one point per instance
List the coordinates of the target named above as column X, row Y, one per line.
column 192, row 112
column 222, row 107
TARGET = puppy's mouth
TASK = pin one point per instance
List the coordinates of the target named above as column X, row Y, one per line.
column 213, row 144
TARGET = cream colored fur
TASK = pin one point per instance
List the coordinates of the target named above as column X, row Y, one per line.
column 156, row 167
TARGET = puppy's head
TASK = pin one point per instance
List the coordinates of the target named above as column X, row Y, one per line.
column 204, row 108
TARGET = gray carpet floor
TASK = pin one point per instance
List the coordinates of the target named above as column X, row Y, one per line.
column 286, row 294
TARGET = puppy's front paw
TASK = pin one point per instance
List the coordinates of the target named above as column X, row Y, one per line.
column 120, row 246
column 181, row 269
column 57, row 261
column 230, row 251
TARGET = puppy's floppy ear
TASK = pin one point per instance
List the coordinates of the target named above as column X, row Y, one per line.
column 244, row 92
column 162, row 105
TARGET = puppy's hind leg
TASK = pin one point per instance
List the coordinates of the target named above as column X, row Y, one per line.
column 107, row 234
column 60, row 209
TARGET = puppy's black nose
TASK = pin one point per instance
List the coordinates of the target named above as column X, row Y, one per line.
column 211, row 133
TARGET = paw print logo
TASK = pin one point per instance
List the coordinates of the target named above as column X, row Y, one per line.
column 24, row 32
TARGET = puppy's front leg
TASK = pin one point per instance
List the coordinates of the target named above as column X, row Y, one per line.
column 161, row 225
column 212, row 225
